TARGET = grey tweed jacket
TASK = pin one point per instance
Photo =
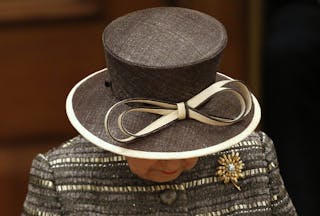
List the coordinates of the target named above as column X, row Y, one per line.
column 78, row 178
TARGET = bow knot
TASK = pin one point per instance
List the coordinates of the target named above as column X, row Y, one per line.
column 171, row 112
column 182, row 109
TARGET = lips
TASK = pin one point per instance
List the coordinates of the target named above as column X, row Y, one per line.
column 169, row 172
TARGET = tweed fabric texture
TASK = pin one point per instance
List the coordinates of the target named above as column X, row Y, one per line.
column 79, row 178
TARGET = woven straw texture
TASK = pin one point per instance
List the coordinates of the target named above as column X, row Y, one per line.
column 166, row 53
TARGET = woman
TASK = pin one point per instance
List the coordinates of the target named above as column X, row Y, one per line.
column 162, row 133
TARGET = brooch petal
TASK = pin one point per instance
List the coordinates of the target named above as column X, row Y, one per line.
column 230, row 169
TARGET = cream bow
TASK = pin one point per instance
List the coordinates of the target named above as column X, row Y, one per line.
column 171, row 112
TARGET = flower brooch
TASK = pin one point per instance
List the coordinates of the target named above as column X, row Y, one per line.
column 230, row 169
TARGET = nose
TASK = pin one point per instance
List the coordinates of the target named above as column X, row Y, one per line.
column 171, row 165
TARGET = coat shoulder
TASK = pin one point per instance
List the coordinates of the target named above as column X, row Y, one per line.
column 76, row 148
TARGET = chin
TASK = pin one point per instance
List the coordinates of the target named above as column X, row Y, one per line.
column 165, row 178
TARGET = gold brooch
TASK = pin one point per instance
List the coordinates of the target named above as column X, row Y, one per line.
column 230, row 169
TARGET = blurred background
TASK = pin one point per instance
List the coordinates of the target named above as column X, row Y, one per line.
column 46, row 47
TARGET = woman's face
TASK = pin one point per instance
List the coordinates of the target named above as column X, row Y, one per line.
column 160, row 170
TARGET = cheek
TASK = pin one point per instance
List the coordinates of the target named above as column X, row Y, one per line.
column 140, row 167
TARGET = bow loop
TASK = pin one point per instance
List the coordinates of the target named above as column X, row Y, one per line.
column 171, row 112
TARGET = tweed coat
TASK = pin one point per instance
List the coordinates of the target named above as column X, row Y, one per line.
column 78, row 178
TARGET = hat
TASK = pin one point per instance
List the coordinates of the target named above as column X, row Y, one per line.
column 161, row 96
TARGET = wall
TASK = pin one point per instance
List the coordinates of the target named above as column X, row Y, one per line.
column 42, row 59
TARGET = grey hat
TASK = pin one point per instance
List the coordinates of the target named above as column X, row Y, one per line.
column 161, row 96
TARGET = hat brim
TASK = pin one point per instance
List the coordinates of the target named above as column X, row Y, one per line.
column 89, row 101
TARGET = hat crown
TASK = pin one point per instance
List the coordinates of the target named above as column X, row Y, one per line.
column 166, row 53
